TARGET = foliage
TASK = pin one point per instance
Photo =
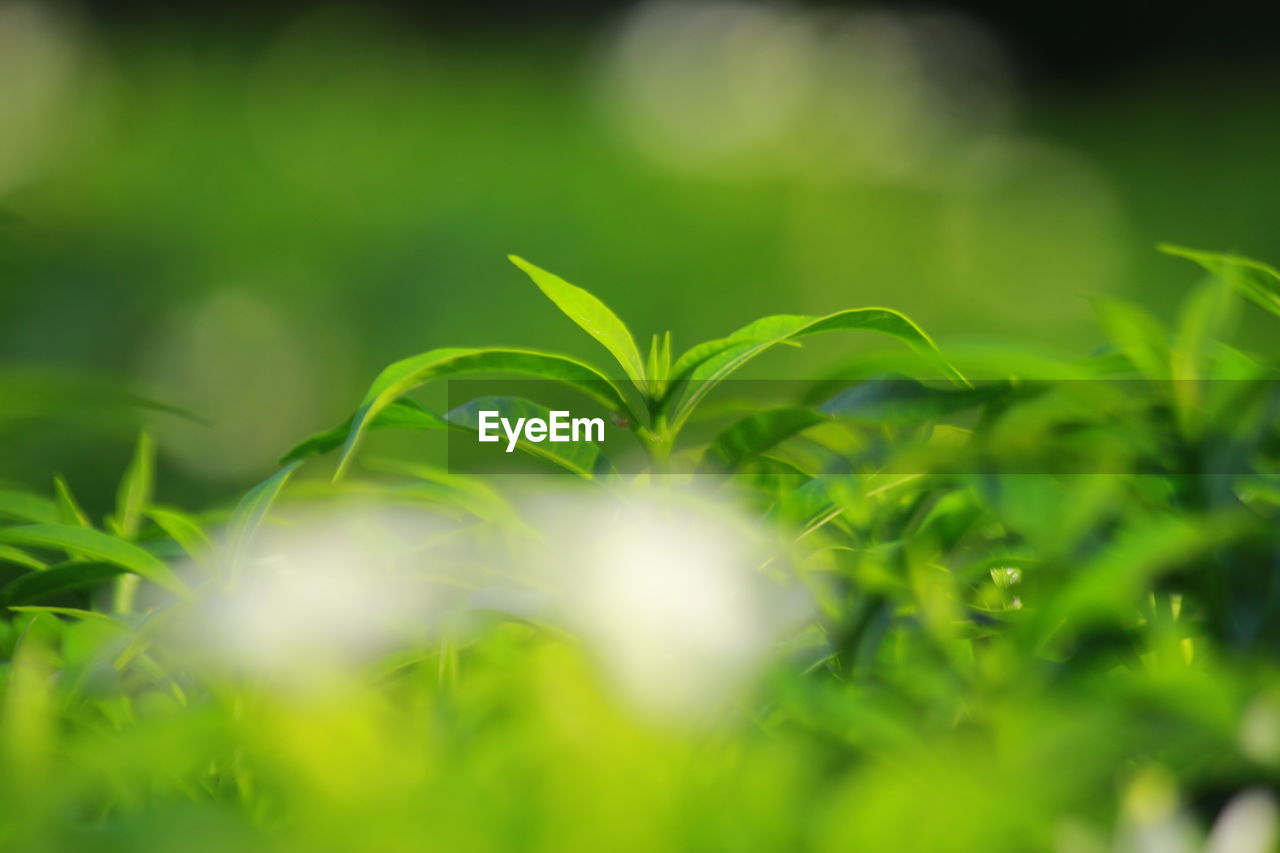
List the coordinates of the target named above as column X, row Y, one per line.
column 1043, row 612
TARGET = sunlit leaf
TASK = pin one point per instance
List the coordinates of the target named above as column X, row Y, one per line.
column 1258, row 281
column 69, row 509
column 18, row 557
column 100, row 546
column 1138, row 335
column 697, row 371
column 592, row 315
column 252, row 510
column 136, row 487
column 183, row 529
column 27, row 506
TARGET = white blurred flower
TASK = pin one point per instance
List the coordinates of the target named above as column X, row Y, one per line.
column 665, row 589
column 1153, row 822
column 320, row 597
column 1246, row 825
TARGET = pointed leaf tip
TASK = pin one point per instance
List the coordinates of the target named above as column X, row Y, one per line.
column 592, row 316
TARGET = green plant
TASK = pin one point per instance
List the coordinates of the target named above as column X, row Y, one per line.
column 1044, row 605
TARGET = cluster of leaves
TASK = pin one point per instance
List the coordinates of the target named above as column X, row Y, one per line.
column 1043, row 590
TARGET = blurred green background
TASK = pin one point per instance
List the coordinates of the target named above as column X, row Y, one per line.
column 247, row 216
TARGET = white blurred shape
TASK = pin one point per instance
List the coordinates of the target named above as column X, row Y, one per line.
column 898, row 93
column 1151, row 820
column 317, row 599
column 742, row 87
column 1246, row 825
column 1260, row 729
column 693, row 83
column 665, row 589
column 238, row 361
column 37, row 65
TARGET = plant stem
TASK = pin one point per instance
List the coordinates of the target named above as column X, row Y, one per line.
column 126, row 590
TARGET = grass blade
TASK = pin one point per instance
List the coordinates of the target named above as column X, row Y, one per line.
column 253, row 508
column 65, row 577
column 1140, row 337
column 185, row 530
column 1258, row 281
column 136, row 488
column 69, row 510
column 100, row 546
column 18, row 557
column 73, row 612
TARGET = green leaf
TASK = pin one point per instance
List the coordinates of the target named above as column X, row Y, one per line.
column 583, row 458
column 904, row 401
column 73, row 612
column 1141, row 337
column 1205, row 313
column 772, row 477
column 25, row 506
column 69, row 509
column 658, row 367
column 707, row 364
column 1109, row 584
column 806, row 507
column 185, row 530
column 402, row 414
column 651, row 367
column 10, row 554
column 754, row 434
column 1258, row 281
column 976, row 360
column 248, row 515
column 136, row 487
column 64, row 577
column 100, row 546
column 1205, row 316
column 404, row 376
column 469, row 493
column 592, row 315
